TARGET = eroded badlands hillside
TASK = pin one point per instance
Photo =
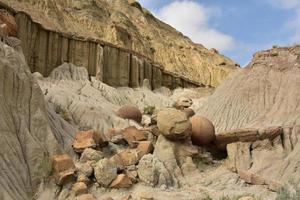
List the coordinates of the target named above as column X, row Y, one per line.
column 126, row 24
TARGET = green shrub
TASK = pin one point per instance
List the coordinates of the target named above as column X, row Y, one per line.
column 149, row 110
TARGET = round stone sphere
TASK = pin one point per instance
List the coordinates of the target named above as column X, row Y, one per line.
column 203, row 130
column 130, row 112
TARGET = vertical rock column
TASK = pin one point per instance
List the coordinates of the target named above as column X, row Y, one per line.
column 167, row 80
column 116, row 67
column 148, row 71
column 136, row 65
column 157, row 77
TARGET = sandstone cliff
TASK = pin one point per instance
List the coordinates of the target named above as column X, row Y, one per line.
column 130, row 26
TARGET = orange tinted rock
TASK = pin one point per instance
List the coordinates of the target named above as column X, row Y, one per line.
column 203, row 131
column 130, row 112
column 88, row 139
column 113, row 132
column 144, row 147
column 63, row 169
column 62, row 163
column 122, row 181
column 10, row 27
column 129, row 157
column 132, row 134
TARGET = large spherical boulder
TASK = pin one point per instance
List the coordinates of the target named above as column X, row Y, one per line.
column 173, row 124
column 130, row 112
column 203, row 131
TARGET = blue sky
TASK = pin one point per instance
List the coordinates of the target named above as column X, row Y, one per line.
column 237, row 28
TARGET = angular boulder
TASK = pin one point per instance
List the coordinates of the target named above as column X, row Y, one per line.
column 105, row 172
column 144, row 147
column 63, row 168
column 122, row 181
column 92, row 155
column 203, row 131
column 130, row 112
column 88, row 139
column 132, row 135
column 126, row 157
column 174, row 124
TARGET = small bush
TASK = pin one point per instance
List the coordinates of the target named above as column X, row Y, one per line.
column 149, row 110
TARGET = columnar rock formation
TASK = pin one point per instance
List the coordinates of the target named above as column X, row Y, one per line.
column 68, row 30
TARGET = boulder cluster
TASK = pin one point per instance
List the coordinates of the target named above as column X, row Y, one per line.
column 159, row 154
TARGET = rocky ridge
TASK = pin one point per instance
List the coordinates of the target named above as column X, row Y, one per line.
column 128, row 25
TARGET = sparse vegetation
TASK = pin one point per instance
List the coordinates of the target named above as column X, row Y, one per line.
column 149, row 110
column 291, row 193
column 63, row 113
column 44, row 168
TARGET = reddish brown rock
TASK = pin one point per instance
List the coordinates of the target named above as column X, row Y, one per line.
column 128, row 157
column 130, row 112
column 144, row 147
column 122, row 181
column 203, row 131
column 88, row 139
column 132, row 134
column 63, row 168
column 8, row 23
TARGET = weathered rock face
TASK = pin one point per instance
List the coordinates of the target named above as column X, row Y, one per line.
column 125, row 25
column 263, row 95
column 27, row 141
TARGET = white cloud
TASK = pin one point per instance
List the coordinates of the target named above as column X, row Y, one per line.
column 192, row 19
column 294, row 24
